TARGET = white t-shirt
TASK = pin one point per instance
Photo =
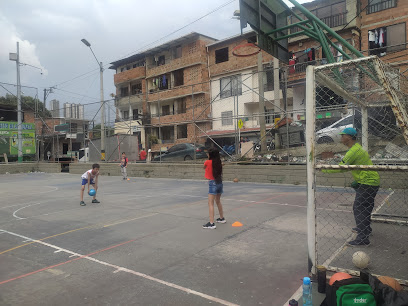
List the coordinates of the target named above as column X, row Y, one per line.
column 371, row 36
column 85, row 175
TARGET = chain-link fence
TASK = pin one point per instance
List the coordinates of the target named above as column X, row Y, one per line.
column 180, row 122
column 357, row 167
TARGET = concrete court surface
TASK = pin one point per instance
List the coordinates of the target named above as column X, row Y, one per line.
column 144, row 243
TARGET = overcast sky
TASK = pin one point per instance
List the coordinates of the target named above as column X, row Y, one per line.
column 50, row 33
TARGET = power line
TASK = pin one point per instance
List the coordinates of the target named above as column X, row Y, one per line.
column 158, row 40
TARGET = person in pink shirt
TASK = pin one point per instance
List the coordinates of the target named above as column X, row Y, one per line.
column 213, row 172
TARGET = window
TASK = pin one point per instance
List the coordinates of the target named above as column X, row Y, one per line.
column 387, row 39
column 344, row 122
column 226, row 118
column 182, row 131
column 270, row 116
column 380, row 5
column 125, row 114
column 230, row 86
column 165, row 110
column 178, row 147
column 177, row 52
column 124, row 91
column 135, row 114
column 127, row 67
column 221, row 55
column 178, row 77
column 333, row 15
column 162, row 82
column 396, row 36
column 268, row 79
column 74, row 127
column 161, row 60
column 181, row 106
column 167, row 134
column 139, row 64
column 122, row 69
column 136, row 89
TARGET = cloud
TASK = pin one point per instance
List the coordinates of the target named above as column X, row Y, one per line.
column 9, row 36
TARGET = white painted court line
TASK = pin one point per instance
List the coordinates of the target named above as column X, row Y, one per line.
column 296, row 296
column 123, row 269
column 17, row 217
column 382, row 204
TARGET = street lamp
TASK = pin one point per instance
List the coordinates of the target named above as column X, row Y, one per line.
column 102, row 101
column 16, row 57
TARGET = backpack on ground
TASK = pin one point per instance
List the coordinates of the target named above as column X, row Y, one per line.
column 347, row 292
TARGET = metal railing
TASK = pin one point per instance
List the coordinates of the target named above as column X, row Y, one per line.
column 383, row 5
column 332, row 21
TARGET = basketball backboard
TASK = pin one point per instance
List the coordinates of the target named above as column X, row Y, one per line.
column 264, row 16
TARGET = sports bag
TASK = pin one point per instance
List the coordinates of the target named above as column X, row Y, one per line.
column 347, row 292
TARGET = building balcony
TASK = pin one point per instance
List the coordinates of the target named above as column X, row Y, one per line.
column 127, row 126
column 196, row 58
column 176, row 92
column 129, row 75
column 380, row 6
column 133, row 100
column 332, row 21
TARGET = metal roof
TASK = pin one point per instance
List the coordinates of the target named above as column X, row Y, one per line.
column 244, row 35
column 165, row 46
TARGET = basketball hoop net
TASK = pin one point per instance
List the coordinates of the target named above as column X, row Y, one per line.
column 250, row 45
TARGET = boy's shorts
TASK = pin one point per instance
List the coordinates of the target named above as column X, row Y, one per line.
column 214, row 187
column 85, row 181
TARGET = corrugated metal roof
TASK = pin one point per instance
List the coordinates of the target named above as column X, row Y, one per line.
column 244, row 35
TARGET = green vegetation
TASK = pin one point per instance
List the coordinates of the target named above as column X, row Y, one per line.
column 27, row 103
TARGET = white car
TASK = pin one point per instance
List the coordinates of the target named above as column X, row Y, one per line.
column 332, row 132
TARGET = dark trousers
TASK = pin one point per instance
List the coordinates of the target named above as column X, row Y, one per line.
column 363, row 206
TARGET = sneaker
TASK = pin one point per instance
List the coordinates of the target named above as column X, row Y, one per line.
column 124, row 178
column 209, row 225
column 82, row 203
column 95, row 201
column 356, row 231
column 219, row 220
column 360, row 243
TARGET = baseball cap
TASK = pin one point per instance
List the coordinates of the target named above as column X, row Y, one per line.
column 349, row 131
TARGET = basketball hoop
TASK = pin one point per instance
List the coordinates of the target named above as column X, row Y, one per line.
column 251, row 45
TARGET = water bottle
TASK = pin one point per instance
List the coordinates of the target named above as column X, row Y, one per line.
column 307, row 292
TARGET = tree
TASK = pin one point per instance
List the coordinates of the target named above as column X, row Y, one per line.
column 27, row 103
column 96, row 131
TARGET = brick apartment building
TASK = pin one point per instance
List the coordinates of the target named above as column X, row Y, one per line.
column 234, row 88
column 159, row 90
column 386, row 20
column 341, row 16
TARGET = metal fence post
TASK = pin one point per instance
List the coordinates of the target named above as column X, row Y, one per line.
column 310, row 160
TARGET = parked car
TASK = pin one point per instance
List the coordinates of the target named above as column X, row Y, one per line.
column 182, row 151
column 332, row 132
column 381, row 123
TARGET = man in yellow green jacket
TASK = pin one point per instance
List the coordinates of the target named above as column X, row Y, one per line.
column 366, row 183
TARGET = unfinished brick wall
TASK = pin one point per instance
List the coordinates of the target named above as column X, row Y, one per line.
column 384, row 18
column 128, row 75
column 234, row 63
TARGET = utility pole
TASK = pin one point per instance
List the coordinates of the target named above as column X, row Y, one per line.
column 276, row 97
column 16, row 57
column 262, row 125
column 102, row 114
column 19, row 117
column 102, row 101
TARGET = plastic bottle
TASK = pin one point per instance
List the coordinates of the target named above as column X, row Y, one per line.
column 307, row 292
